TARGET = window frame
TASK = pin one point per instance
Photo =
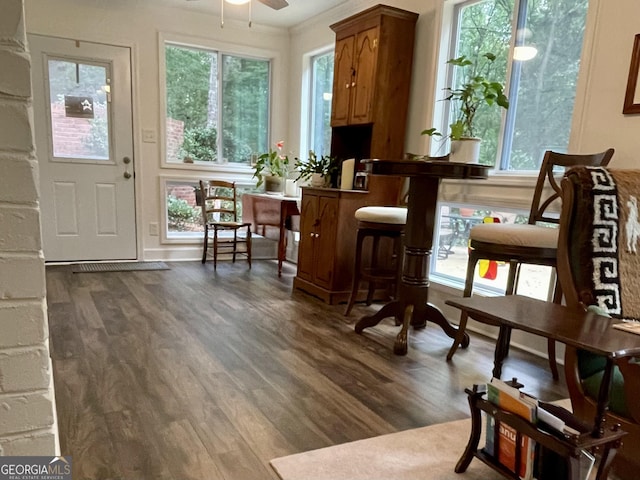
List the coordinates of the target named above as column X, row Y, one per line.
column 443, row 77
column 241, row 173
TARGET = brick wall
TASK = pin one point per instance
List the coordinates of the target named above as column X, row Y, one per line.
column 70, row 133
column 175, row 136
column 27, row 409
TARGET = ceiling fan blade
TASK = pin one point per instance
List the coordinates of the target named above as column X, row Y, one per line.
column 275, row 4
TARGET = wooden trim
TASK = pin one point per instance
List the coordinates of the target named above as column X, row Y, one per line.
column 632, row 83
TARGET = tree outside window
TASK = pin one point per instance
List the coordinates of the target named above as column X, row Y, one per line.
column 215, row 103
column 541, row 89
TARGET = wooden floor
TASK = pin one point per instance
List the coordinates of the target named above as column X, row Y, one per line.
column 194, row 374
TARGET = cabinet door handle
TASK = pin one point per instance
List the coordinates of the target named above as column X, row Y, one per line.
column 317, row 235
column 311, row 234
column 346, row 86
column 353, row 84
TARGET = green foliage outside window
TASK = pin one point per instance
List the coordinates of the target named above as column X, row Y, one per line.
column 199, row 144
column 179, row 213
column 196, row 81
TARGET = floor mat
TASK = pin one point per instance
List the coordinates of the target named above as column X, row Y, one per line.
column 118, row 267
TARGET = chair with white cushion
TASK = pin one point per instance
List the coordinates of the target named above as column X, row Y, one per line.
column 533, row 243
column 378, row 223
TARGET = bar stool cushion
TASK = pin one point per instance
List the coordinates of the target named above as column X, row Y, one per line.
column 535, row 236
column 390, row 215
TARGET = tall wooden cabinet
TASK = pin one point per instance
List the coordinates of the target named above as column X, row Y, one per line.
column 372, row 77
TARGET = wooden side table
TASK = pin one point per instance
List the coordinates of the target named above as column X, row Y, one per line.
column 576, row 328
column 264, row 210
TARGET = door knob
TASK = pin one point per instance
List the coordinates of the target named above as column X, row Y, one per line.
column 127, row 175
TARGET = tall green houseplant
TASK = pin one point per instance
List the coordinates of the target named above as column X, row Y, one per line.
column 473, row 90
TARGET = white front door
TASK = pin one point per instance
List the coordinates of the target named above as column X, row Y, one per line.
column 84, row 139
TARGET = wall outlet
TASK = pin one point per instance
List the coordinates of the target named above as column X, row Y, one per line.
column 153, row 229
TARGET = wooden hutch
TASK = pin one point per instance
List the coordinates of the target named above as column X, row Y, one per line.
column 371, row 82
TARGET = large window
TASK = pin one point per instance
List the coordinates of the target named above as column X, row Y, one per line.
column 541, row 88
column 217, row 106
column 320, row 101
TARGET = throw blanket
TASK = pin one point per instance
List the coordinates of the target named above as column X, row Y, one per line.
column 609, row 239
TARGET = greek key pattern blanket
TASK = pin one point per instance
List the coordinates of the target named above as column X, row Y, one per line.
column 614, row 236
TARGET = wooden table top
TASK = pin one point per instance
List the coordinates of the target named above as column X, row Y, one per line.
column 585, row 330
column 430, row 168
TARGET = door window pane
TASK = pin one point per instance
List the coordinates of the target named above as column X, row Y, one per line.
column 78, row 95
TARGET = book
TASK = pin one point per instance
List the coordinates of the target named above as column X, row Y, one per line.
column 490, row 434
column 513, row 445
column 512, row 400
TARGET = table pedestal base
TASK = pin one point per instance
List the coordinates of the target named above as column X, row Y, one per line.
column 408, row 314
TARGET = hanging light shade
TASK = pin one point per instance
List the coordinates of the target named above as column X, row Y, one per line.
column 524, row 53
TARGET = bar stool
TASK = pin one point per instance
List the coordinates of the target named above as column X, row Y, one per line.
column 377, row 222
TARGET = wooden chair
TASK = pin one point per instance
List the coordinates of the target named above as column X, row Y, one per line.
column 598, row 265
column 219, row 214
column 532, row 243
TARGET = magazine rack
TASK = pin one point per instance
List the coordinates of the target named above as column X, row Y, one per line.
column 569, row 447
column 576, row 328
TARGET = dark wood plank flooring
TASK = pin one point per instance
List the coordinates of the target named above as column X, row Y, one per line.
column 194, row 374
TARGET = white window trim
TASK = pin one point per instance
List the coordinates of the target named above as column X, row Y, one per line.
column 242, row 172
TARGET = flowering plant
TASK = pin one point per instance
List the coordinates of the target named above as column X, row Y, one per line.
column 273, row 162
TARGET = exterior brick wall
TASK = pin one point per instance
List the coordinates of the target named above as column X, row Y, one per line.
column 69, row 133
column 27, row 408
column 175, row 136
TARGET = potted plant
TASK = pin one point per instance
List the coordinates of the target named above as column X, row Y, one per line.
column 473, row 90
column 319, row 170
column 272, row 168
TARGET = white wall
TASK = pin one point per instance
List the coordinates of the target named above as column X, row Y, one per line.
column 27, row 412
column 133, row 25
column 612, row 28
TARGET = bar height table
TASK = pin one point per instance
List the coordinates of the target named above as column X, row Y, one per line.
column 411, row 304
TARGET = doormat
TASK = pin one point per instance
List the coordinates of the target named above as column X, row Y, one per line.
column 118, row 267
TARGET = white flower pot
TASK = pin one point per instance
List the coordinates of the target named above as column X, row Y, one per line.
column 317, row 180
column 465, row 150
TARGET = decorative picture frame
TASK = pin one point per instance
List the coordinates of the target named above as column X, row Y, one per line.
column 632, row 95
